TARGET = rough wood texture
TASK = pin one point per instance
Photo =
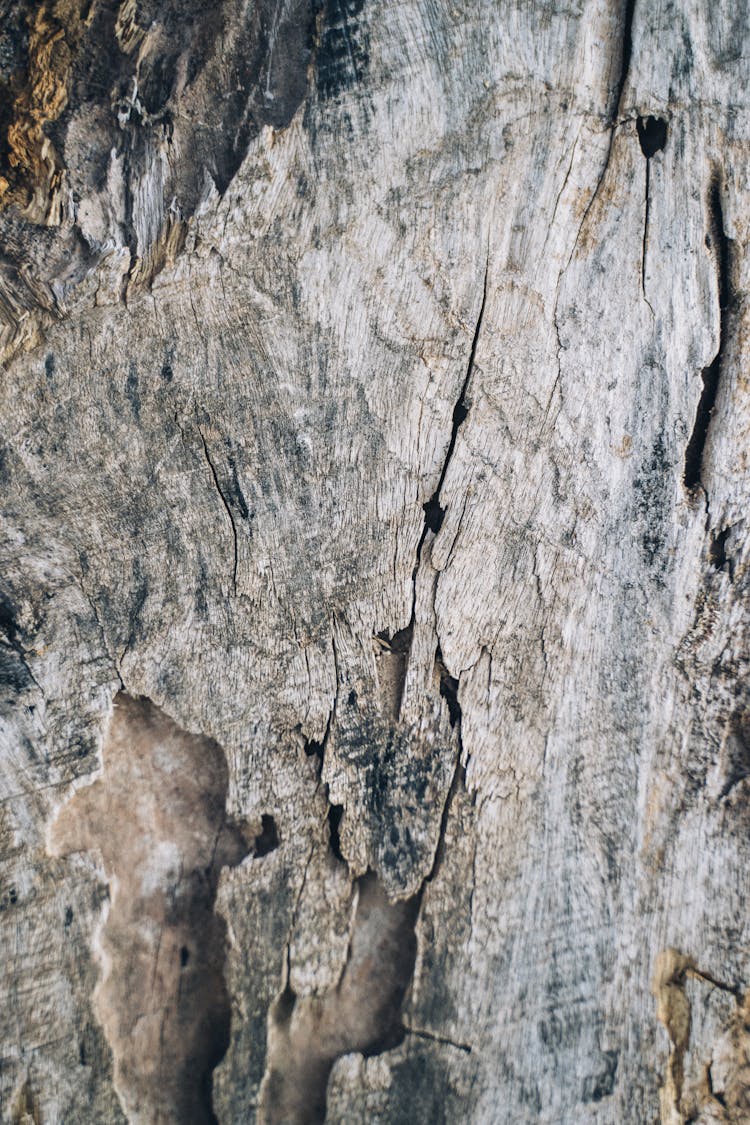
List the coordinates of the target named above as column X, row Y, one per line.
column 374, row 451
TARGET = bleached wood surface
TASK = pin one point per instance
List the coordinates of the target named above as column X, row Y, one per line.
column 274, row 278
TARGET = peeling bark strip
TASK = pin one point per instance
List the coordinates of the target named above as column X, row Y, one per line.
column 156, row 817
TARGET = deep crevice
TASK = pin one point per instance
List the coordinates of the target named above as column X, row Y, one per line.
column 267, row 840
column 448, row 689
column 717, row 551
column 317, row 749
column 696, row 445
column 392, row 663
column 711, row 375
column 335, row 816
column 313, row 749
column 652, row 135
column 626, row 53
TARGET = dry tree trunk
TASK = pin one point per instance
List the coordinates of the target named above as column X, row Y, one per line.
column 374, row 582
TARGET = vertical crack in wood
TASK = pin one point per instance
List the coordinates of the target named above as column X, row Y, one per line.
column 718, row 241
column 225, row 503
column 433, row 512
column 393, row 652
column 652, row 137
column 626, row 53
column 157, row 819
column 612, row 120
column 644, row 244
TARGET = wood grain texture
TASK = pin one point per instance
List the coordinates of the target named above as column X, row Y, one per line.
column 375, row 409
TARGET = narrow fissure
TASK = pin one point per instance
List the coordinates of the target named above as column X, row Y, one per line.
column 226, row 504
column 443, row 1039
column 335, row 816
column 434, row 514
column 306, row 1035
column 399, row 646
column 652, row 137
column 644, row 244
column 718, row 242
column 157, row 818
column 626, row 53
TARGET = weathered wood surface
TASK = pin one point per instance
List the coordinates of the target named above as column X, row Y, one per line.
column 375, row 404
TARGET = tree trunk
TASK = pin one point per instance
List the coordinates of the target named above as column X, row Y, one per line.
column 374, row 653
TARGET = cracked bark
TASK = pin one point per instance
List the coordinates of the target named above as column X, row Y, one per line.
column 424, row 795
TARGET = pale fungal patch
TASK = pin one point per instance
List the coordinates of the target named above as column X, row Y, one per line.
column 306, row 1034
column 156, row 818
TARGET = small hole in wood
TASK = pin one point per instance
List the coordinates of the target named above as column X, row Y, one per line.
column 652, row 134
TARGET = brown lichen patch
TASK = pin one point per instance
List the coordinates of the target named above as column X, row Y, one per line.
column 673, row 1010
column 707, row 1080
column 157, row 819
column 130, row 34
column 35, row 168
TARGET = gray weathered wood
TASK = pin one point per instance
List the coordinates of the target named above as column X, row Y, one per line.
column 375, row 407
